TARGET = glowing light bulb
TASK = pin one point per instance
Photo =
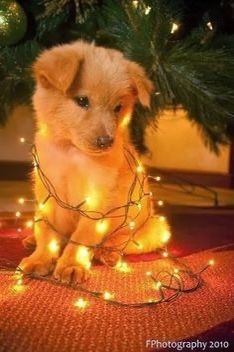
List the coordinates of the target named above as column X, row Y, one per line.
column 131, row 225
column 29, row 224
column 211, row 262
column 158, row 178
column 209, row 25
column 83, row 257
column 22, row 140
column 35, row 164
column 174, row 28
column 150, row 300
column 41, row 206
column 81, row 303
column 148, row 273
column 122, row 266
column 102, row 226
column 19, row 281
column 139, row 206
column 157, row 285
column 53, row 246
column 125, row 121
column 147, row 10
column 139, row 169
column 165, row 254
column 18, row 214
column 21, row 200
column 107, row 295
column 92, row 199
column 162, row 218
column 18, row 288
column 160, row 203
column 165, row 236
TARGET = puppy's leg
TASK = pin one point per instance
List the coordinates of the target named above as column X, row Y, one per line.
column 29, row 242
column 152, row 236
column 73, row 265
column 43, row 259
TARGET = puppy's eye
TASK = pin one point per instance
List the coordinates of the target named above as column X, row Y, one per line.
column 82, row 101
column 118, row 108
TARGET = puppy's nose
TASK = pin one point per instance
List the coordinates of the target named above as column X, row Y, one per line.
column 104, row 142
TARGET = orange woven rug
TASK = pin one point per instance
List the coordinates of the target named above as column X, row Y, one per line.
column 43, row 318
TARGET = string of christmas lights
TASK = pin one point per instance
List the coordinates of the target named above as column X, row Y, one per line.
column 168, row 284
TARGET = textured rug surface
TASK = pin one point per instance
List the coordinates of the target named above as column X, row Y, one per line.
column 42, row 318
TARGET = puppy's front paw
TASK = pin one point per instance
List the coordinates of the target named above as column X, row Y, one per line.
column 107, row 257
column 70, row 273
column 41, row 265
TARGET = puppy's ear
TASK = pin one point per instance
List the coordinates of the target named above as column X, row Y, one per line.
column 142, row 86
column 57, row 67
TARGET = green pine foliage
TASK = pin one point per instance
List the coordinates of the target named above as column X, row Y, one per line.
column 195, row 72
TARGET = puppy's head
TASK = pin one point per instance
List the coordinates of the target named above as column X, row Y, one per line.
column 84, row 92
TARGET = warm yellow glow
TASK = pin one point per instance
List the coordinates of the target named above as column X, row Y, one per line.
column 29, row 224
column 19, row 229
column 148, row 273
column 18, row 214
column 35, row 165
column 81, row 303
column 139, row 169
column 211, row 262
column 102, row 226
column 83, row 257
column 165, row 236
column 19, row 281
column 147, row 10
column 162, row 218
column 107, row 295
column 132, row 224
column 21, row 200
column 176, row 271
column 165, row 254
column 158, row 178
column 157, row 285
column 53, row 246
column 92, row 199
column 125, row 121
column 22, row 140
column 174, row 28
column 209, row 25
column 122, row 266
column 41, row 206
column 160, row 203
column 18, row 287
column 139, row 206
column 42, row 129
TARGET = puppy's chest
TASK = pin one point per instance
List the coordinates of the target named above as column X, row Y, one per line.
column 78, row 180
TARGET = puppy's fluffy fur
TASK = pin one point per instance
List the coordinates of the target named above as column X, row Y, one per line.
column 66, row 141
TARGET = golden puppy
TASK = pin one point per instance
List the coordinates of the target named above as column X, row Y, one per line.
column 84, row 97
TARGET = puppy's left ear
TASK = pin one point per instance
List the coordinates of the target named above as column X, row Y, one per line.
column 142, row 86
column 57, row 68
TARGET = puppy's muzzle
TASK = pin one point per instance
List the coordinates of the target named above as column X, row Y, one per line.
column 104, row 142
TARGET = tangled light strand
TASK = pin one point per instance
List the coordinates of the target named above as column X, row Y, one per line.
column 169, row 284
